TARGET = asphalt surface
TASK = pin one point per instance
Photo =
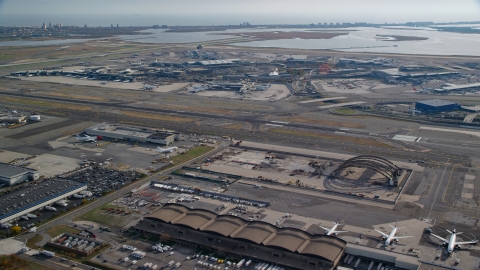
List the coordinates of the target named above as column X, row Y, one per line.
column 103, row 200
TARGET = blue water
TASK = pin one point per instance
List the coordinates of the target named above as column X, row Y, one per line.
column 360, row 40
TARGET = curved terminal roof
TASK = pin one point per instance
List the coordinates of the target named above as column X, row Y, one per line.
column 261, row 233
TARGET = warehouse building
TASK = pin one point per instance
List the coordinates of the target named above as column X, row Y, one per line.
column 134, row 134
column 11, row 175
column 436, row 105
column 288, row 247
column 20, row 202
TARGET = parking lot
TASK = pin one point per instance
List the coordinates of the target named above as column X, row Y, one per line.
column 143, row 254
column 100, row 179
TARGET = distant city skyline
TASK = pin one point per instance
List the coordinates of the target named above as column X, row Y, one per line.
column 190, row 12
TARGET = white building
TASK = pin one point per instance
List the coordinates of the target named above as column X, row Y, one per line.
column 11, row 175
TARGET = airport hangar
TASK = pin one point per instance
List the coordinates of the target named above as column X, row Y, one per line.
column 288, row 247
column 134, row 134
column 26, row 200
column 436, row 105
column 11, row 175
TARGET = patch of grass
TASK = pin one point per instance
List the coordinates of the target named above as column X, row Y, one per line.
column 335, row 137
column 47, row 104
column 234, row 126
column 161, row 117
column 132, row 234
column 154, row 238
column 144, row 237
column 100, row 215
column 32, row 241
column 169, row 243
column 346, row 111
column 191, row 154
column 57, row 230
column 300, row 119
column 80, row 97
column 15, row 262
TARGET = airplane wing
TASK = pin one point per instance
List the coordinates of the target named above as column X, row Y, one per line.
column 340, row 231
column 400, row 237
column 467, row 243
column 326, row 229
column 440, row 238
column 382, row 233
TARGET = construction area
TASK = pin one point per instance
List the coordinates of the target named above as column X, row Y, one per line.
column 356, row 178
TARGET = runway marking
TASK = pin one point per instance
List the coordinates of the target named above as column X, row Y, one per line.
column 438, row 188
column 404, row 138
column 475, row 133
column 280, row 122
column 273, row 125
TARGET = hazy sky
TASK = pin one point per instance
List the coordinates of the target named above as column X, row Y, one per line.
column 314, row 10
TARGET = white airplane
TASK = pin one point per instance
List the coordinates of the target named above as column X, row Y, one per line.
column 167, row 150
column 136, row 64
column 452, row 243
column 413, row 111
column 330, row 231
column 87, row 138
column 391, row 237
column 422, row 91
column 149, row 87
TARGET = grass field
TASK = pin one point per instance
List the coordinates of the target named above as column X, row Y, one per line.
column 191, row 154
column 346, row 111
column 100, row 215
column 234, row 126
column 335, row 137
column 300, row 119
column 32, row 241
column 169, row 118
column 14, row 262
column 45, row 104
column 57, row 230
column 72, row 96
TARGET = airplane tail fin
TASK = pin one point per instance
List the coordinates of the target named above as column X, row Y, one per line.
column 450, row 232
column 458, row 233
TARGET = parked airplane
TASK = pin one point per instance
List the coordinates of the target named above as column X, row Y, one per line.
column 330, row 231
column 149, row 87
column 413, row 110
column 136, row 64
column 167, row 150
column 452, row 243
column 391, row 237
column 87, row 138
column 422, row 91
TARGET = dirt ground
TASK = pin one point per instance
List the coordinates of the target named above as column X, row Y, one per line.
column 96, row 83
column 275, row 92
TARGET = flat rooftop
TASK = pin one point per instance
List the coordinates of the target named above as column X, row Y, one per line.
column 436, row 102
column 131, row 131
column 24, row 198
column 11, row 170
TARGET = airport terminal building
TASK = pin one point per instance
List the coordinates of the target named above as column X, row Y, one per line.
column 134, row 134
column 11, row 175
column 436, row 105
column 289, row 247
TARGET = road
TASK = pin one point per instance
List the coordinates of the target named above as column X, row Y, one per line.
column 103, row 200
column 259, row 119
